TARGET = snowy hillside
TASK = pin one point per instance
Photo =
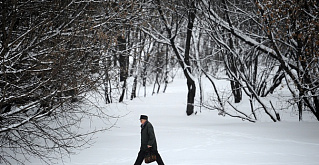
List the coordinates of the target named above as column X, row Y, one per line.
column 203, row 139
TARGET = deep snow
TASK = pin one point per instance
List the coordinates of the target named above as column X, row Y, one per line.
column 204, row 139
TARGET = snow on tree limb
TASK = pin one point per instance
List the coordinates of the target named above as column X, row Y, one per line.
column 213, row 16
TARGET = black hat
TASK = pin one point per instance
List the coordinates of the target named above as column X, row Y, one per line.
column 143, row 117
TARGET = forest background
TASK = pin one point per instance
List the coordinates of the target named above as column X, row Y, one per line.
column 54, row 53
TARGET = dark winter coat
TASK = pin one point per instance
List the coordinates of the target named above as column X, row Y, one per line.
column 148, row 136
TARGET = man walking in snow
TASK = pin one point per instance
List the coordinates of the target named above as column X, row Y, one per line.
column 148, row 141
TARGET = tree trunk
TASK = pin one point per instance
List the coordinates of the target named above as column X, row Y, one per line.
column 123, row 60
column 133, row 94
column 123, row 91
column 136, row 63
column 146, row 59
column 155, row 82
column 106, row 89
column 166, row 69
column 235, row 85
column 190, row 82
column 185, row 63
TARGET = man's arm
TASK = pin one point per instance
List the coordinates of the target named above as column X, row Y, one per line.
column 151, row 135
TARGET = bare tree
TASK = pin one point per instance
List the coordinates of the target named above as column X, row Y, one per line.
column 49, row 59
column 292, row 28
column 172, row 25
column 273, row 43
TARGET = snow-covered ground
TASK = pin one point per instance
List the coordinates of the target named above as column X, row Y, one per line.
column 203, row 139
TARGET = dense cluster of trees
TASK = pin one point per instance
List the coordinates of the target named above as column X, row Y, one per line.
column 269, row 43
column 260, row 44
column 50, row 53
column 53, row 52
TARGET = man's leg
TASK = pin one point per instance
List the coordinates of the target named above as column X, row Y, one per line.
column 140, row 158
column 159, row 159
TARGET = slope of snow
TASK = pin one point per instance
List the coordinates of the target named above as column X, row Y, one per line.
column 205, row 138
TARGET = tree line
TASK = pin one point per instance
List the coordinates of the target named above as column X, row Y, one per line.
column 53, row 53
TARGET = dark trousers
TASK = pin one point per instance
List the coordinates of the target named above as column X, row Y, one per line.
column 141, row 155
